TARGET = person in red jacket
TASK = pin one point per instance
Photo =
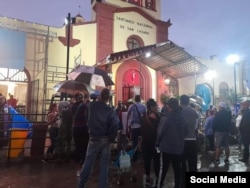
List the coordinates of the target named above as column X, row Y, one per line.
column 12, row 101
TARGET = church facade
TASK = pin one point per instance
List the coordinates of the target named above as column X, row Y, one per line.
column 119, row 28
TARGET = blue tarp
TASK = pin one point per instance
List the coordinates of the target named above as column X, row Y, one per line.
column 12, row 53
column 203, row 91
column 19, row 121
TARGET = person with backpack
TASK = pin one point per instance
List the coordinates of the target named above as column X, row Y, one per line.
column 122, row 138
column 135, row 112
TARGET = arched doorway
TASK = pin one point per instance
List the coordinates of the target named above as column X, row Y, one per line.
column 16, row 82
column 132, row 78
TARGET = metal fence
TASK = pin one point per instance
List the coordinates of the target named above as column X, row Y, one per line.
column 19, row 139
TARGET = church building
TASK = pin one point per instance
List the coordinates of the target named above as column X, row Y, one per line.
column 126, row 38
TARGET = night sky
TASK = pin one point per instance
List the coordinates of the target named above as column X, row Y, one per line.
column 203, row 28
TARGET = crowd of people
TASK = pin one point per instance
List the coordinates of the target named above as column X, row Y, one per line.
column 162, row 137
column 168, row 136
column 220, row 126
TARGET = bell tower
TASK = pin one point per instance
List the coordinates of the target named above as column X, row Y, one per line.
column 149, row 4
column 152, row 7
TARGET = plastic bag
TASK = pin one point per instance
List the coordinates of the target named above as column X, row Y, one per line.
column 125, row 161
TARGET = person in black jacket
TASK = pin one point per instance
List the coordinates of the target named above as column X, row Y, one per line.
column 150, row 122
column 80, row 132
column 171, row 141
column 190, row 156
column 245, row 130
column 103, row 125
column 221, row 126
column 63, row 148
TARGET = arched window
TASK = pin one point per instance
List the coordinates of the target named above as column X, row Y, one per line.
column 134, row 42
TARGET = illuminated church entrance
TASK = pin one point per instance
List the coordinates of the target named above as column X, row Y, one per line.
column 133, row 78
column 131, row 84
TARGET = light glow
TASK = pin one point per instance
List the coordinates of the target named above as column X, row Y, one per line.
column 209, row 75
column 148, row 54
column 167, row 81
column 232, row 59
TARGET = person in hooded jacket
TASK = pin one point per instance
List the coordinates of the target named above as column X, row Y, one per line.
column 170, row 139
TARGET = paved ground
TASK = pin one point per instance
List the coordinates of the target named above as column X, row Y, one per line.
column 32, row 173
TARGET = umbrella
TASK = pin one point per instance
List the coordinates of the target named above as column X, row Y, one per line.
column 70, row 87
column 91, row 75
column 197, row 99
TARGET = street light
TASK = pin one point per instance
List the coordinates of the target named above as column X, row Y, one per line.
column 234, row 59
column 68, row 20
column 67, row 23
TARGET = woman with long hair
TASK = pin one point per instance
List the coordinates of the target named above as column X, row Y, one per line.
column 52, row 118
column 151, row 120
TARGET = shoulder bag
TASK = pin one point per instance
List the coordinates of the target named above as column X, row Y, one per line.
column 139, row 115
